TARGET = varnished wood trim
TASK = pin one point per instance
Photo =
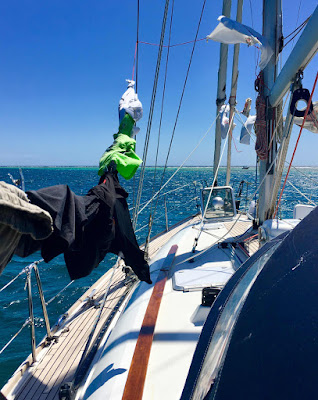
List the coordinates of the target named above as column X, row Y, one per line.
column 138, row 368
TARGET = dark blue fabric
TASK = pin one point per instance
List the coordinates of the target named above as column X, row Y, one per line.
column 211, row 321
column 273, row 350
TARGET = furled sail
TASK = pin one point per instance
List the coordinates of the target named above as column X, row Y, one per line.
column 231, row 32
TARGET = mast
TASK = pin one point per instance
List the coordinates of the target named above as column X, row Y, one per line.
column 272, row 30
column 304, row 50
column 233, row 93
column 221, row 90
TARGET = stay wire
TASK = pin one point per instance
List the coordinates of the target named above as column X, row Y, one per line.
column 181, row 166
column 137, row 44
column 160, row 123
column 152, row 104
column 180, row 102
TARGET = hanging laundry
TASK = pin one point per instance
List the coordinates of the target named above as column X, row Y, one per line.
column 86, row 228
column 231, row 32
column 224, row 117
column 18, row 217
column 130, row 104
column 122, row 151
column 311, row 123
column 225, row 121
column 246, row 130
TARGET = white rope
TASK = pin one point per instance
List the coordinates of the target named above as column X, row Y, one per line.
column 277, row 154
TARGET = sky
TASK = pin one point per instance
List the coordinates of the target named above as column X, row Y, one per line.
column 63, row 69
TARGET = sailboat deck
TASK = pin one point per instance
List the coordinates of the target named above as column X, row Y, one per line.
column 57, row 362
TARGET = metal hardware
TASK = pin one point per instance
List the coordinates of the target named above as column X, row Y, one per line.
column 166, row 214
column 46, row 318
column 28, row 284
column 300, row 94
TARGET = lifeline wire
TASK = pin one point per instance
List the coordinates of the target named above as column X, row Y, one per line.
column 14, row 336
column 20, row 273
column 57, row 294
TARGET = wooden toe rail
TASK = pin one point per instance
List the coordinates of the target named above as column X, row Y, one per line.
column 138, row 368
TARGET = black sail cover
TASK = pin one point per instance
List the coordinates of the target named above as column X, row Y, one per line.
column 272, row 351
column 86, row 228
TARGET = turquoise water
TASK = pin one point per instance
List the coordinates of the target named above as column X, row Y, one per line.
column 180, row 204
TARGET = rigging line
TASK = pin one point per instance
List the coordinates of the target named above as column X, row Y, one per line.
column 152, row 105
column 134, row 63
column 216, row 172
column 57, row 294
column 296, row 145
column 161, row 113
column 14, row 336
column 302, row 173
column 292, row 39
column 22, row 272
column 196, row 240
column 299, row 27
column 89, row 340
column 178, row 169
column 278, row 122
column 137, row 44
column 212, row 245
column 160, row 218
column 173, row 45
column 307, row 198
column 169, row 191
column 9, row 283
column 181, row 99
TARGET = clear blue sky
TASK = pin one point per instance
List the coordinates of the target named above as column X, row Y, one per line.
column 63, row 69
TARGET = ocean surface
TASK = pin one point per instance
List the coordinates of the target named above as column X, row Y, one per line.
column 180, row 195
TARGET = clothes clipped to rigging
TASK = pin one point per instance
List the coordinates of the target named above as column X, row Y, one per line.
column 86, row 228
column 122, row 151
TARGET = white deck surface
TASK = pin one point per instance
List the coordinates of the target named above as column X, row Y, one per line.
column 179, row 322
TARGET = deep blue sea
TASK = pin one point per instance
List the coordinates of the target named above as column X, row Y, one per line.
column 180, row 196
